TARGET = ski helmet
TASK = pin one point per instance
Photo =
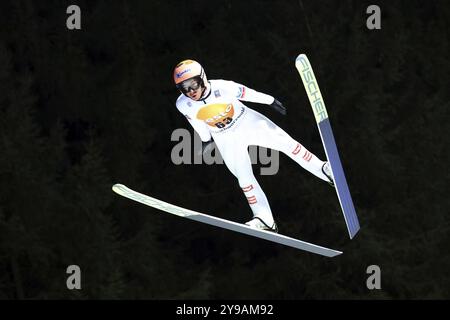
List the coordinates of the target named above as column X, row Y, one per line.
column 188, row 69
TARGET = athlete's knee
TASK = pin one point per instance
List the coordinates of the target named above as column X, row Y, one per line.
column 247, row 183
column 294, row 148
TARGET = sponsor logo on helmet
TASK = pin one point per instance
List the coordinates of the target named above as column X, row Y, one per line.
column 180, row 74
column 217, row 93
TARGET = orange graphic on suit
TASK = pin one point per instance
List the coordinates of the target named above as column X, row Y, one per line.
column 217, row 115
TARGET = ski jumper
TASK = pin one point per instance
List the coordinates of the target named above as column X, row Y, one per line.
column 222, row 116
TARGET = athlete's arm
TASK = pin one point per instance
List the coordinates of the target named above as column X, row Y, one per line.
column 199, row 126
column 246, row 94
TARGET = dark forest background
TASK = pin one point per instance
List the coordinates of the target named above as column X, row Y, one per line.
column 81, row 110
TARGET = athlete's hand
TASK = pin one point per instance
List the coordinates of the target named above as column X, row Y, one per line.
column 206, row 146
column 278, row 106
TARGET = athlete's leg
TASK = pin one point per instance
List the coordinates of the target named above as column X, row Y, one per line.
column 267, row 134
column 233, row 150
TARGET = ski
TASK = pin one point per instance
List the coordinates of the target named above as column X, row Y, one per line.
column 222, row 223
column 326, row 134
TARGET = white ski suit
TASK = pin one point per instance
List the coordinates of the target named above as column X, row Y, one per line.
column 221, row 115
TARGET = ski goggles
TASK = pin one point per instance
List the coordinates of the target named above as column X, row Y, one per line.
column 190, row 84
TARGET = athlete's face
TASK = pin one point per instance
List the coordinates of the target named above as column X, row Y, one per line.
column 192, row 88
column 195, row 94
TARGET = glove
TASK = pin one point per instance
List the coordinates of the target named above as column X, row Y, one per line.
column 278, row 106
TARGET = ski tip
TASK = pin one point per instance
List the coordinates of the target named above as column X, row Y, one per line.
column 302, row 63
column 117, row 187
column 300, row 57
